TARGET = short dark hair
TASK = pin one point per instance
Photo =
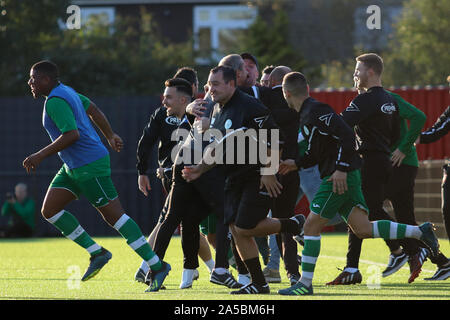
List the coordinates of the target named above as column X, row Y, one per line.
column 228, row 73
column 47, row 68
column 372, row 61
column 180, row 84
column 296, row 83
column 188, row 74
column 268, row 69
column 249, row 56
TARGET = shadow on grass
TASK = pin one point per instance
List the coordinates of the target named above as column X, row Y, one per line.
column 38, row 298
column 392, row 291
column 19, row 240
column 417, row 286
column 36, row 279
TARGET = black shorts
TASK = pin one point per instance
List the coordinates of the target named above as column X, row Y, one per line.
column 246, row 204
column 284, row 205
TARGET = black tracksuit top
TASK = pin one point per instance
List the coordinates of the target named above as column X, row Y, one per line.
column 159, row 128
column 438, row 130
column 240, row 113
column 374, row 115
column 331, row 142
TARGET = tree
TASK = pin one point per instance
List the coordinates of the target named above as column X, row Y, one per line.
column 337, row 74
column 267, row 40
column 126, row 58
column 23, row 25
column 419, row 51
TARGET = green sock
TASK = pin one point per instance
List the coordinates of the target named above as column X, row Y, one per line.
column 69, row 226
column 310, row 254
column 390, row 230
column 128, row 228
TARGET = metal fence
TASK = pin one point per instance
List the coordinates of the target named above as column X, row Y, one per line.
column 21, row 134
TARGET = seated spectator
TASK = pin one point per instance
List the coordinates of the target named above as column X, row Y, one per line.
column 20, row 210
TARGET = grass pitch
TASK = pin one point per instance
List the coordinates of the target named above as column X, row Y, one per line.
column 50, row 268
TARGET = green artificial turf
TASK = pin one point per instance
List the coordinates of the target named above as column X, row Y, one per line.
column 50, row 268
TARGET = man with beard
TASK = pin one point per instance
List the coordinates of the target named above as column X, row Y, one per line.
column 248, row 187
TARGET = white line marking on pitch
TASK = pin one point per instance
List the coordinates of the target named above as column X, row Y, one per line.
column 368, row 262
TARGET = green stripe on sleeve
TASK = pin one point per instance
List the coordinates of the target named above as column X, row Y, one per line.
column 61, row 114
column 85, row 101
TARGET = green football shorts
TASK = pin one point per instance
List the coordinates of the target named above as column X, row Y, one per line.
column 98, row 190
column 326, row 203
column 208, row 225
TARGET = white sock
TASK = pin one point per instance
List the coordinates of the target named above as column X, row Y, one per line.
column 307, row 281
column 350, row 270
column 210, row 264
column 188, row 275
column 244, row 279
column 145, row 267
column 220, row 271
column 413, row 232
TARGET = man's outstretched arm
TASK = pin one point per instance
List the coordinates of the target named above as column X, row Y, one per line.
column 100, row 120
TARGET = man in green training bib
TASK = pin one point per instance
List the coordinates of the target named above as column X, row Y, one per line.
column 86, row 171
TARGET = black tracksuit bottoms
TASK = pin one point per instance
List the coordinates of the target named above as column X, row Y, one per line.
column 189, row 204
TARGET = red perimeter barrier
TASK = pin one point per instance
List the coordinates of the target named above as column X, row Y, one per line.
column 432, row 101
